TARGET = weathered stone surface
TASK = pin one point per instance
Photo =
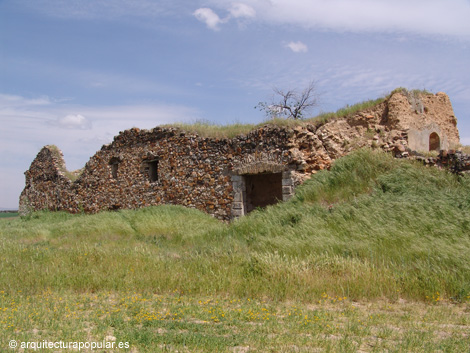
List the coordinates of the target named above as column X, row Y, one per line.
column 142, row 168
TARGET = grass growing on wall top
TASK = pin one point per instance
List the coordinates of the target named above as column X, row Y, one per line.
column 411, row 92
column 465, row 149
column 57, row 154
column 208, row 129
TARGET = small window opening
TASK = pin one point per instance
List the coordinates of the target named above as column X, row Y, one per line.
column 153, row 170
column 434, row 142
column 114, row 164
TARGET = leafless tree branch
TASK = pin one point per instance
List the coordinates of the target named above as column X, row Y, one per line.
column 291, row 104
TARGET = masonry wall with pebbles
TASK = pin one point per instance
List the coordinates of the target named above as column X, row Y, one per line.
column 224, row 177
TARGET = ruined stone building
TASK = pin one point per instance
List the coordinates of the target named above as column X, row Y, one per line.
column 229, row 177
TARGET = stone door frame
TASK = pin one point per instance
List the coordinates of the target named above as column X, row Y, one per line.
column 239, row 203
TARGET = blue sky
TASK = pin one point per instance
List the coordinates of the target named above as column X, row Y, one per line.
column 76, row 72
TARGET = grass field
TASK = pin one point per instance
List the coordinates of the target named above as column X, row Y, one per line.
column 186, row 322
column 370, row 256
column 8, row 214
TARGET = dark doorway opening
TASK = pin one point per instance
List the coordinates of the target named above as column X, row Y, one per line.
column 434, row 142
column 263, row 190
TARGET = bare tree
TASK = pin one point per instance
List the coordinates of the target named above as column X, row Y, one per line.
column 290, row 104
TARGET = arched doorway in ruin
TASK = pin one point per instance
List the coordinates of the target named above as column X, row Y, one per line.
column 434, row 142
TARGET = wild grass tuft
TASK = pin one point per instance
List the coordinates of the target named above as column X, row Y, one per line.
column 410, row 92
column 71, row 175
column 465, row 149
column 208, row 129
column 347, row 111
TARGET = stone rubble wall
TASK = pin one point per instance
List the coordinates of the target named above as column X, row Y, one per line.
column 192, row 171
column 204, row 173
column 456, row 161
column 47, row 187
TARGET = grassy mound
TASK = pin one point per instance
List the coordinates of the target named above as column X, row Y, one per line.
column 371, row 227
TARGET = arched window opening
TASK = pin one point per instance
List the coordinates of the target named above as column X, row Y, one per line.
column 434, row 142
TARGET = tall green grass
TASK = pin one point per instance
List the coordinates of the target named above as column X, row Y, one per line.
column 371, row 227
column 374, row 225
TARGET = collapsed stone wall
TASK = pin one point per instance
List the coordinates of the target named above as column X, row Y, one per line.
column 170, row 166
column 456, row 161
column 47, row 186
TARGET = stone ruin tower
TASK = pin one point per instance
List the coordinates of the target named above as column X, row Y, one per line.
column 229, row 177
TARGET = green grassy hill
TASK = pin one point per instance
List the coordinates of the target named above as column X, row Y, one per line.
column 372, row 227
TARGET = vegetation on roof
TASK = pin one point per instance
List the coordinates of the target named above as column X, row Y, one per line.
column 57, row 154
column 465, row 149
column 213, row 130
column 412, row 92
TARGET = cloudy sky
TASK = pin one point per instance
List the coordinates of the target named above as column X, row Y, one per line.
column 76, row 72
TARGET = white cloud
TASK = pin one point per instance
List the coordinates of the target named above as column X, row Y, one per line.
column 74, row 122
column 209, row 17
column 430, row 17
column 9, row 100
column 297, row 47
column 240, row 10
